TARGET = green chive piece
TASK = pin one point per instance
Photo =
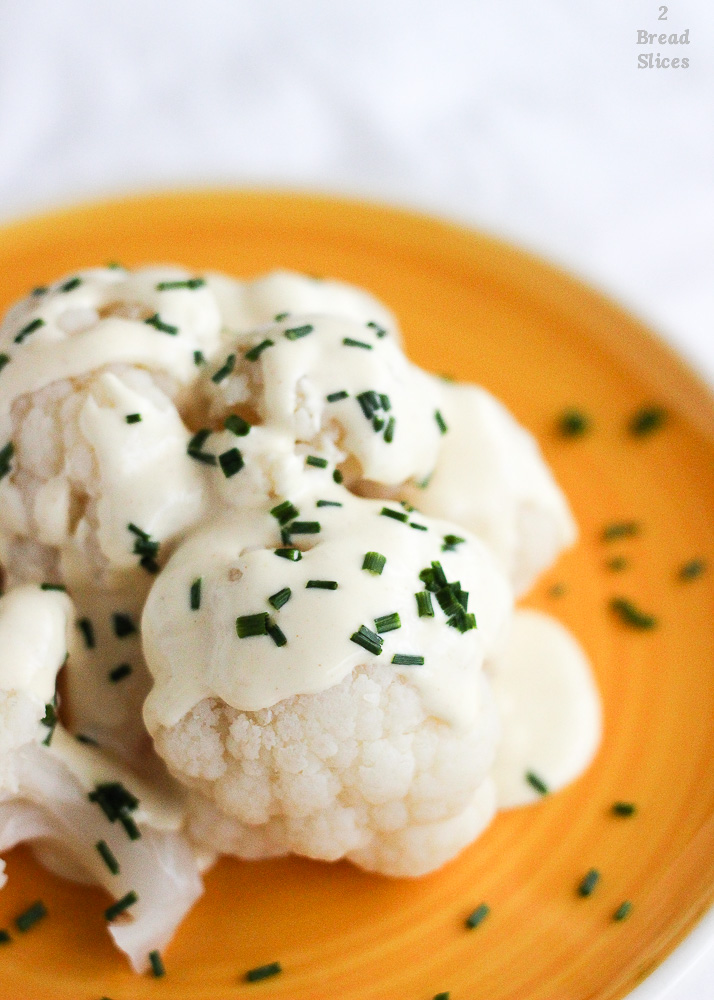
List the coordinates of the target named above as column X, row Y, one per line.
column 29, row 917
column 121, row 905
column 119, row 673
column 425, row 609
column 293, row 555
column 388, row 623
column 369, row 402
column 573, row 423
column 321, row 585
column 130, row 826
column 333, row 397
column 116, row 802
column 421, row 527
column 589, row 882
column 535, row 782
column 168, row 286
column 389, row 431
column 194, row 448
column 70, row 285
column 54, row 586
column 35, row 324
column 336, row 475
column 276, row 634
column 157, row 964
column 231, row 462
column 620, row 529
column 305, row 528
column 379, row 330
column 282, row 597
column 107, row 856
column 6, row 454
column 623, row 911
column 692, row 569
column 87, row 629
column 89, row 740
column 407, row 660
column 284, row 512
column 280, row 317
column 368, row 640
column 39, row 290
column 123, row 625
column 617, row 564
column 248, row 626
column 133, row 418
column 145, row 547
column 319, row 463
column 254, row 353
column 263, row 972
column 350, row 342
column 236, row 425
column 4, row 360
column 478, row 916
column 328, row 503
column 50, row 720
column 630, row 615
column 4, row 937
column 377, row 423
column 385, row 401
column 624, row 808
column 557, row 590
column 198, row 358
column 443, row 996
column 374, row 562
column 450, row 543
column 440, row 422
column 397, row 515
column 225, row 370
column 195, row 594
column 159, row 324
column 296, row 332
column 647, row 420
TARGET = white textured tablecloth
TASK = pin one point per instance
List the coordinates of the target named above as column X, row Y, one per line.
column 532, row 120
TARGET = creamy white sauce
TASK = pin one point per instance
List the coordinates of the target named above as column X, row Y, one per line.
column 549, row 707
column 33, row 640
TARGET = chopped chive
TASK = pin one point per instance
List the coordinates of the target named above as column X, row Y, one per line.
column 321, row 585
column 4, row 360
column 386, row 401
column 328, row 503
column 319, row 463
column 333, row 397
column 388, row 623
column 116, row 802
column 121, row 905
column 478, row 916
column 629, row 614
column 254, row 353
column 421, row 527
column 443, row 996
column 296, row 332
column 623, row 911
column 6, row 454
column 192, row 283
column 249, row 626
column 692, row 569
column 336, row 475
column 195, row 594
column 157, row 964
column 407, row 507
column 279, row 317
column 123, row 625
column 589, row 882
column 280, row 598
column 573, row 423
column 107, row 856
column 407, row 660
column 88, row 740
column 377, row 423
column 624, row 808
column 87, row 629
column 450, row 543
column 119, row 673
column 237, row 425
column 70, row 285
column 285, row 535
column 132, row 830
column 369, row 402
column 198, row 358
column 440, row 422
column 39, row 290
column 50, row 720
column 374, row 562
column 617, row 564
column 159, row 324
column 389, row 431
column 305, row 528
column 647, row 420
column 4, row 937
column 557, row 590
column 535, row 782
column 203, row 456
column 263, row 972
column 54, row 586
column 276, row 634
column 195, row 446
column 145, row 547
column 231, row 462
column 133, row 418
column 379, row 330
column 368, row 640
column 293, row 555
column 350, row 342
column 425, row 609
column 620, row 529
column 29, row 917
column 284, row 512
column 35, row 324
column 225, row 370
column 433, row 577
column 397, row 515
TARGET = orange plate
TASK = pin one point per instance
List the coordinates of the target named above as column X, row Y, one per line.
column 484, row 312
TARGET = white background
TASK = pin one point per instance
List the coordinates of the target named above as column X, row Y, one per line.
column 530, row 119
